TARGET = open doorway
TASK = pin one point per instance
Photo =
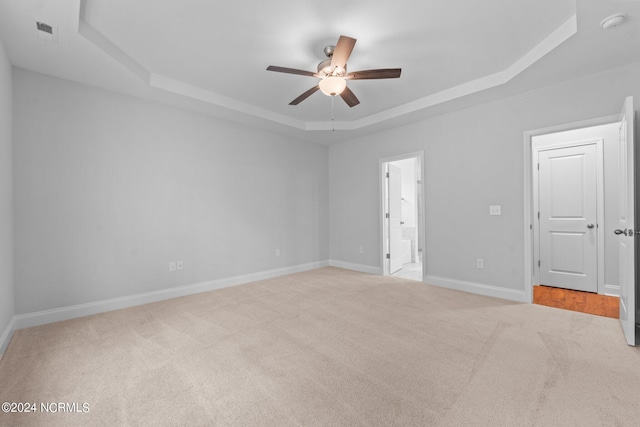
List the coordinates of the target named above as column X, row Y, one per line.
column 621, row 232
column 575, row 197
column 402, row 216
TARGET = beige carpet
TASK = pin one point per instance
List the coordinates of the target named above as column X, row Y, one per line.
column 327, row 347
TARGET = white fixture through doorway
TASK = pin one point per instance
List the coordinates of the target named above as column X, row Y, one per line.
column 402, row 215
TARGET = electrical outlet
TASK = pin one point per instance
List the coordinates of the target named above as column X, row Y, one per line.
column 172, row 266
column 277, row 252
column 479, row 263
column 495, row 210
column 180, row 265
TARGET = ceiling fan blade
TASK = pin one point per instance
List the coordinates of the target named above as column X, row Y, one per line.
column 349, row 97
column 305, row 95
column 291, row 71
column 384, row 73
column 342, row 52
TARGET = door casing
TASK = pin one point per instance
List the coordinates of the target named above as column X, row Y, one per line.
column 530, row 253
column 394, row 220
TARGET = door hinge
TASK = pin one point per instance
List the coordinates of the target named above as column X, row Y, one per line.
column 386, row 216
column 538, row 214
column 387, row 174
column 388, row 256
column 538, row 166
column 530, row 226
column 538, row 263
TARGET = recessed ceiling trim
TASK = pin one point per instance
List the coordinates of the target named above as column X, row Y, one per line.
column 341, row 125
column 184, row 89
column 552, row 41
column 555, row 39
column 104, row 44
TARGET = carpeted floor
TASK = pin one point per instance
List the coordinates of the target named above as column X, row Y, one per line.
column 327, row 347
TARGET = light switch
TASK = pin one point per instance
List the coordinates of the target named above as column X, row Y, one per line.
column 495, row 210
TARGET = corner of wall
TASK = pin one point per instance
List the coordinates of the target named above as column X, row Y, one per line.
column 6, row 335
column 7, row 282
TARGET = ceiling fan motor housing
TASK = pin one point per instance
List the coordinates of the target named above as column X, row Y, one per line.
column 324, row 68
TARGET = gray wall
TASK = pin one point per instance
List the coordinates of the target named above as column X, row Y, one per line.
column 110, row 188
column 6, row 196
column 473, row 159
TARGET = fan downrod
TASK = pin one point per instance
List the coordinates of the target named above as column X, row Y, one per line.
column 328, row 50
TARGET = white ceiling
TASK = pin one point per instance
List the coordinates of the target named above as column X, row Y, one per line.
column 211, row 56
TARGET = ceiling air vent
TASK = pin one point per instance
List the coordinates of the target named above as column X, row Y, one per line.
column 47, row 32
column 45, row 27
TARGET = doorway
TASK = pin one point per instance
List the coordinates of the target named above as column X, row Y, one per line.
column 624, row 166
column 575, row 201
column 402, row 216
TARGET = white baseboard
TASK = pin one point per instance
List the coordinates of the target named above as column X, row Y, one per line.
column 355, row 267
column 80, row 310
column 7, row 334
column 479, row 288
column 612, row 290
column 444, row 282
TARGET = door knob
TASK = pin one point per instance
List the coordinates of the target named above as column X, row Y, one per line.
column 590, row 225
column 619, row 232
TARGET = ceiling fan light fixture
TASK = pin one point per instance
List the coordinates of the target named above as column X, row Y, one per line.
column 333, row 75
column 332, row 86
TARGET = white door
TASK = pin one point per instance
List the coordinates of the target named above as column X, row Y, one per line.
column 395, row 228
column 567, row 194
column 626, row 224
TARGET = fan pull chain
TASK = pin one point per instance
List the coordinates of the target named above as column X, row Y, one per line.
column 333, row 127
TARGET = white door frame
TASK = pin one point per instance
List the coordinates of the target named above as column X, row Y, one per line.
column 419, row 155
column 529, row 251
column 394, row 234
column 537, row 148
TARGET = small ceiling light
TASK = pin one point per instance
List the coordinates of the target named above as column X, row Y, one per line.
column 332, row 86
column 612, row 21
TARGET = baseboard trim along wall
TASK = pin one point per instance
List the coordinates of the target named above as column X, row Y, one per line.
column 65, row 313
column 479, row 288
column 355, row 267
column 21, row 321
column 7, row 334
column 613, row 290
column 444, row 282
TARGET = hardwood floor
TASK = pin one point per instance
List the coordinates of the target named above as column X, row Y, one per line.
column 585, row 302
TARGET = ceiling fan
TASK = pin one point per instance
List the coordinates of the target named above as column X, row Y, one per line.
column 333, row 73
